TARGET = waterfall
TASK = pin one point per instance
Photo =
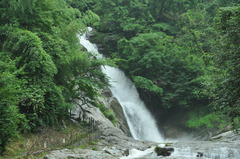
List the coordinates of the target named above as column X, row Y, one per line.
column 141, row 123
column 143, row 126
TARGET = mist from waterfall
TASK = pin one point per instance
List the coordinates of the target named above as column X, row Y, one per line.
column 141, row 123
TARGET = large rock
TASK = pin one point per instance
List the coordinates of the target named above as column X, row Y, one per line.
column 233, row 135
column 113, row 145
column 121, row 119
column 112, row 103
column 111, row 134
column 164, row 151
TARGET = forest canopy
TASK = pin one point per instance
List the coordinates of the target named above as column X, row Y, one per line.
column 182, row 55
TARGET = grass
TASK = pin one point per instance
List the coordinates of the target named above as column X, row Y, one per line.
column 90, row 145
column 33, row 146
column 108, row 113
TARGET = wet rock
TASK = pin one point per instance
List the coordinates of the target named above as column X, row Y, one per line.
column 126, row 153
column 163, row 151
column 112, row 103
column 228, row 136
column 199, row 154
column 107, row 93
column 205, row 149
column 121, row 119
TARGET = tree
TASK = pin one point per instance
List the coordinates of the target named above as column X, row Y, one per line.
column 39, row 37
column 83, row 5
column 81, row 75
column 42, row 36
column 13, row 10
column 171, row 70
column 9, row 98
column 38, row 67
column 226, row 92
column 124, row 17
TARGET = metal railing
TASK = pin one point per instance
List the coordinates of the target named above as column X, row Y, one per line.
column 50, row 139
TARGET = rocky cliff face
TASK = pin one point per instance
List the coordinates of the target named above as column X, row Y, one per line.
column 112, row 103
column 115, row 140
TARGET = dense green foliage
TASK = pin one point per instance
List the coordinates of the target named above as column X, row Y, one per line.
column 226, row 94
column 9, row 90
column 170, row 69
column 43, row 71
column 181, row 54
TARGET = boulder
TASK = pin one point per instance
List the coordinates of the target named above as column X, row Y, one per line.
column 121, row 119
column 233, row 135
column 163, row 151
column 199, row 154
column 112, row 103
column 114, row 142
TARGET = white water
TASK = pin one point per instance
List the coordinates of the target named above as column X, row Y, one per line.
column 134, row 154
column 208, row 153
column 192, row 150
column 142, row 125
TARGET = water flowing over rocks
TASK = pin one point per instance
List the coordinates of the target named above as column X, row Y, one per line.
column 115, row 144
column 206, row 150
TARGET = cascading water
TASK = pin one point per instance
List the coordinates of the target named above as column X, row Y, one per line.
column 142, row 125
